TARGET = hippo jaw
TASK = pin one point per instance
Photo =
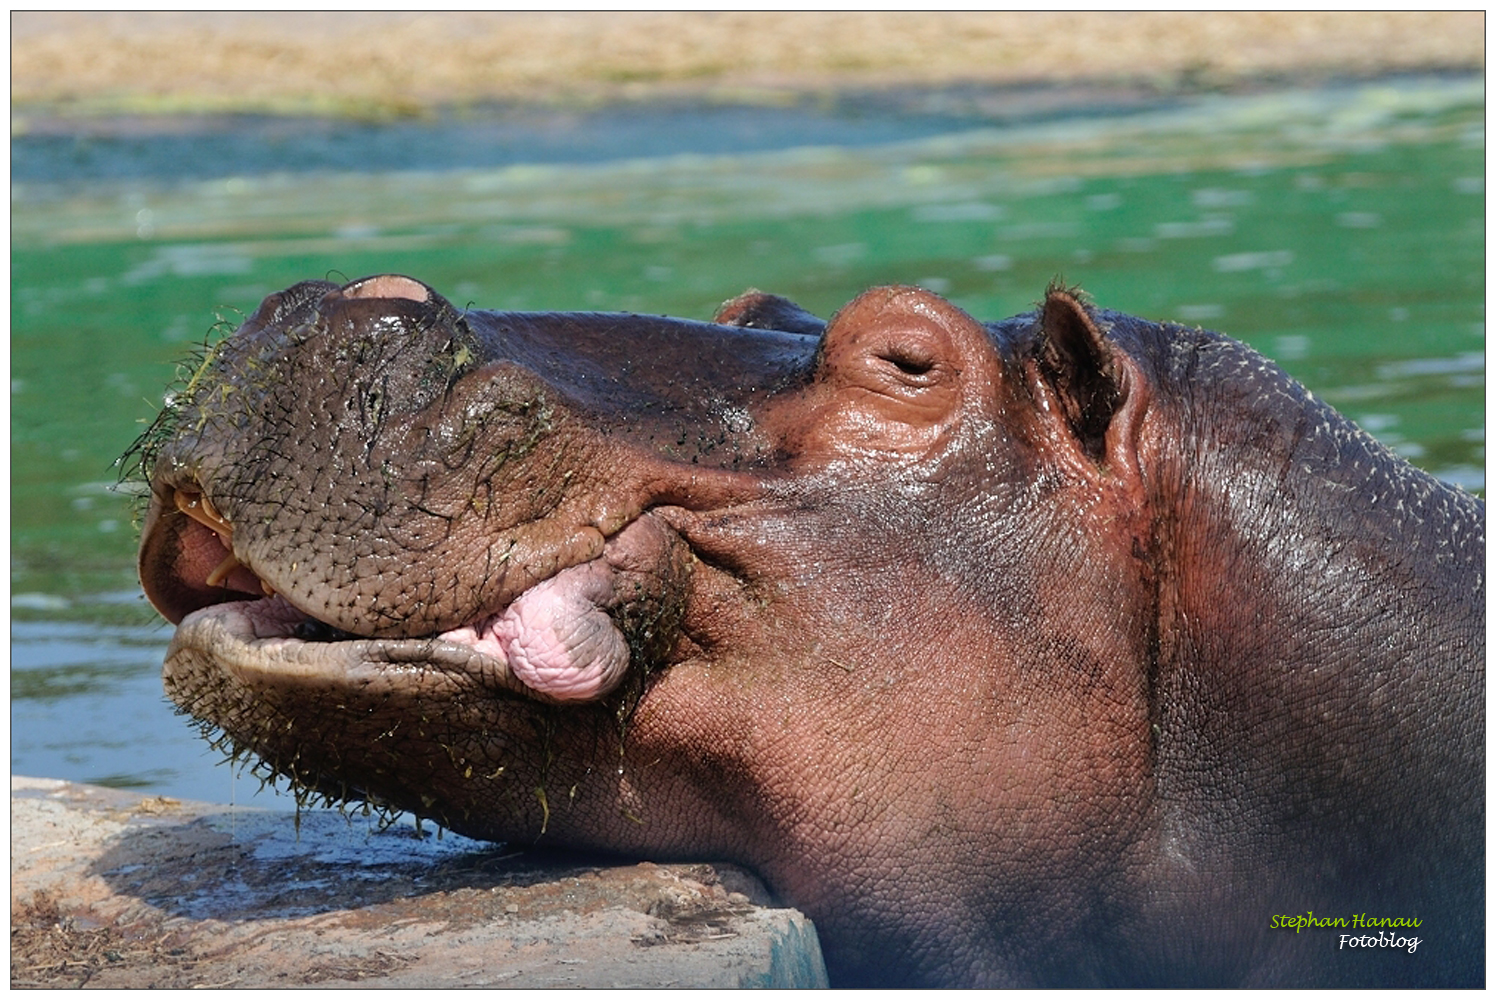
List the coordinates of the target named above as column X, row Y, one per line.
column 347, row 717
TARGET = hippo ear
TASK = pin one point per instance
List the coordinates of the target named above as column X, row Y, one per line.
column 762, row 311
column 1087, row 376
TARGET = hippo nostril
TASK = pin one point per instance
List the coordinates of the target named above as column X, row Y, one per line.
column 387, row 286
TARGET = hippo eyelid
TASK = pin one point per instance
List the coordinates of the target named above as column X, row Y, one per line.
column 907, row 362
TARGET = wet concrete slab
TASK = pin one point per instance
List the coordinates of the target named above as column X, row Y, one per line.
column 115, row 889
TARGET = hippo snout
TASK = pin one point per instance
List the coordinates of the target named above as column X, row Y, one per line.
column 360, row 462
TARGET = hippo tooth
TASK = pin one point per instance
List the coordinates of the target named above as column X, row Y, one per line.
column 223, row 569
column 198, row 507
column 212, row 512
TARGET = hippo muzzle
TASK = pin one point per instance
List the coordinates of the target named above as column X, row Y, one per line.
column 366, row 475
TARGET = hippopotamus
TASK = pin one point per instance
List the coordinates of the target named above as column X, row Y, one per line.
column 1071, row 649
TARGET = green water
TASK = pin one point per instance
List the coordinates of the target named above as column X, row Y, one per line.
column 1340, row 231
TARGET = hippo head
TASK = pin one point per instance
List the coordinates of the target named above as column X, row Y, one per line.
column 872, row 606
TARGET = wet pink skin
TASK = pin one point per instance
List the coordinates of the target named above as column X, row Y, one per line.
column 556, row 638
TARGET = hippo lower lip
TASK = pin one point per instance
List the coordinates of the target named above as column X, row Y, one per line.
column 258, row 638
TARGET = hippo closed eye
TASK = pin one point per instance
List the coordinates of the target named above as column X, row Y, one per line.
column 1072, row 649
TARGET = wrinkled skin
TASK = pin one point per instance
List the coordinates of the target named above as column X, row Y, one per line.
column 1068, row 649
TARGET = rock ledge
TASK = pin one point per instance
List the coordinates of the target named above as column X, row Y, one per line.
column 114, row 889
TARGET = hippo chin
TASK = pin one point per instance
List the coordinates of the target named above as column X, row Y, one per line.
column 1072, row 649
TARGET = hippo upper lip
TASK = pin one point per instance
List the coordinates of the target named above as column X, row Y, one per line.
column 204, row 567
column 308, row 626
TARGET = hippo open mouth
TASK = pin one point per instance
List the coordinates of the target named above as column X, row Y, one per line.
column 556, row 641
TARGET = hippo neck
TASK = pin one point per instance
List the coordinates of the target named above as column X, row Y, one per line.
column 1275, row 487
column 1319, row 600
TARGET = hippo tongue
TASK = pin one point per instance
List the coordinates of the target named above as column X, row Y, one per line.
column 556, row 637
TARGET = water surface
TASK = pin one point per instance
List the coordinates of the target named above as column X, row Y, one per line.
column 1338, row 230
